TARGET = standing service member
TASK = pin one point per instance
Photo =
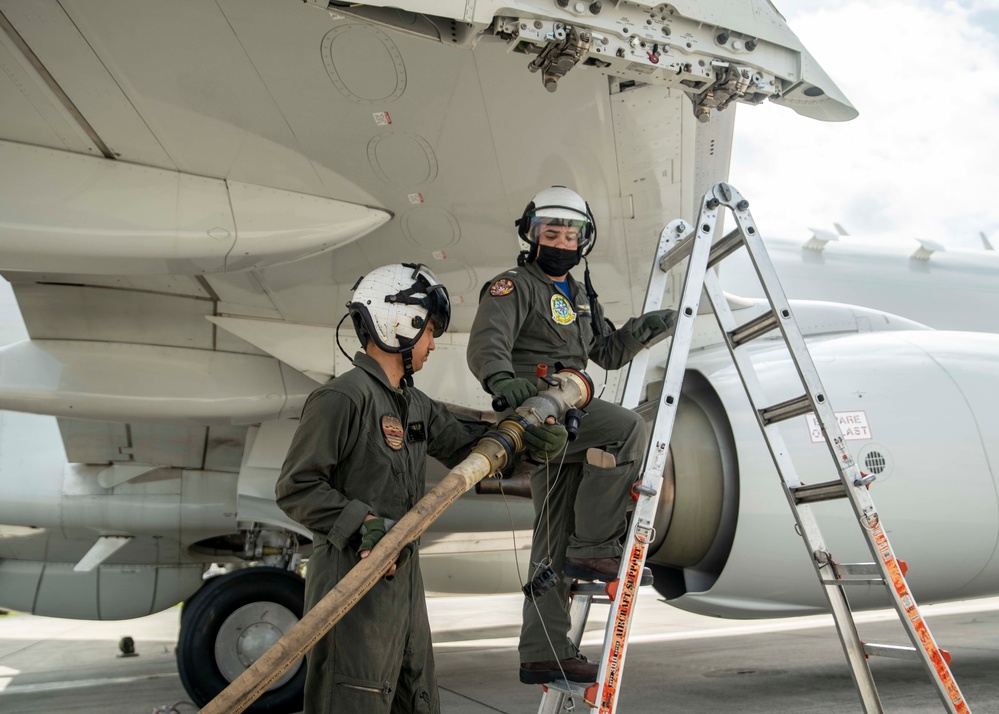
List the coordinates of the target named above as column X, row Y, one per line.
column 356, row 465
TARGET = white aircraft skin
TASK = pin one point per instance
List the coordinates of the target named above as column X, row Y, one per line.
column 189, row 191
column 942, row 287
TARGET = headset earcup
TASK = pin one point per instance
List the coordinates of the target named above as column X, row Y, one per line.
column 591, row 230
column 524, row 224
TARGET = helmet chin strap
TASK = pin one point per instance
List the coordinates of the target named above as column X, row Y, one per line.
column 406, row 346
column 407, row 365
column 596, row 313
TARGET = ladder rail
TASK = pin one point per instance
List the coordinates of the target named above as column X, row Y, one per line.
column 641, row 530
column 855, row 486
column 860, row 670
column 859, row 496
column 672, row 236
column 794, row 340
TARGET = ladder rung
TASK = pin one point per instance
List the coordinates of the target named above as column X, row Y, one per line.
column 850, row 573
column 786, row 410
column 754, row 328
column 596, row 589
column 729, row 243
column 893, row 651
column 678, row 253
column 588, row 588
column 586, row 691
column 812, row 493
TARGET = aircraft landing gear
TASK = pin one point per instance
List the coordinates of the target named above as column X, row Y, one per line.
column 229, row 623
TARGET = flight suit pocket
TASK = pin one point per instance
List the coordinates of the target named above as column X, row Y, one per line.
column 541, row 333
column 383, row 482
column 421, row 702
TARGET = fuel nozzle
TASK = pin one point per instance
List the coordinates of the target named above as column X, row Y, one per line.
column 572, row 419
column 543, row 379
column 500, row 403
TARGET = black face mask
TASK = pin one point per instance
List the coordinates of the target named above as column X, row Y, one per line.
column 556, row 261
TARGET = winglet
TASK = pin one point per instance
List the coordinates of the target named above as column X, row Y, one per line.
column 926, row 249
column 819, row 239
column 985, row 241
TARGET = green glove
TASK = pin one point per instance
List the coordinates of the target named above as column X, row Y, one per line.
column 406, row 554
column 516, row 390
column 372, row 531
column 545, row 441
column 651, row 325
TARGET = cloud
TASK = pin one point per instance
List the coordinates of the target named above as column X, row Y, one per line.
column 920, row 159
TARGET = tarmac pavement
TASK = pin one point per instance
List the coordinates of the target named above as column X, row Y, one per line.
column 676, row 662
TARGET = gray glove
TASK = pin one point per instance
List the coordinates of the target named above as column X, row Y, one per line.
column 545, row 441
column 646, row 328
column 516, row 390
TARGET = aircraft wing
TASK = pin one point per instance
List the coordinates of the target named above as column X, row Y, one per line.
column 191, row 190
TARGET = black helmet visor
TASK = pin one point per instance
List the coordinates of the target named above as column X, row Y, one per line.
column 436, row 300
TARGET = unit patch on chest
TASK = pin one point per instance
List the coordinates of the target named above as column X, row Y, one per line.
column 503, row 286
column 562, row 311
column 392, row 431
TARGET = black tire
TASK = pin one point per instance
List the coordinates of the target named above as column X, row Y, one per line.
column 206, row 588
column 203, row 617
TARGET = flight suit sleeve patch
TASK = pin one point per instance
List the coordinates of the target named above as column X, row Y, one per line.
column 503, row 286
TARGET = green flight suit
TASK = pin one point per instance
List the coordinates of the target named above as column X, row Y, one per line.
column 361, row 448
column 524, row 320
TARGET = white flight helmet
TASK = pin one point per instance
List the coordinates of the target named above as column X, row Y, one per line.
column 393, row 305
column 561, row 206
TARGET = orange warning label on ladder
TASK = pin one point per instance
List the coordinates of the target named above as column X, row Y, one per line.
column 935, row 654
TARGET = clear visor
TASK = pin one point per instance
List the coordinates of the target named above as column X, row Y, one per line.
column 570, row 230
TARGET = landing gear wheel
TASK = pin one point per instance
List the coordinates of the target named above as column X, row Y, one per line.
column 231, row 622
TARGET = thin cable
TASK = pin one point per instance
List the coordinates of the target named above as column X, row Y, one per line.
column 547, row 511
column 513, row 534
column 538, row 567
column 337, row 333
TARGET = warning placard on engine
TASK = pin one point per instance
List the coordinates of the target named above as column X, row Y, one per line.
column 853, row 425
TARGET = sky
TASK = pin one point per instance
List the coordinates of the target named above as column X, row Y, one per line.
column 921, row 159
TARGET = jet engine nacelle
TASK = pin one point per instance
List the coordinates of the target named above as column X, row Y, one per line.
column 918, row 410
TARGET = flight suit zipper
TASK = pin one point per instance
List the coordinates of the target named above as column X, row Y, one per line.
column 385, row 688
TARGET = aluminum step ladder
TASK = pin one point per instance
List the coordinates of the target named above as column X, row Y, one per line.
column 680, row 241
